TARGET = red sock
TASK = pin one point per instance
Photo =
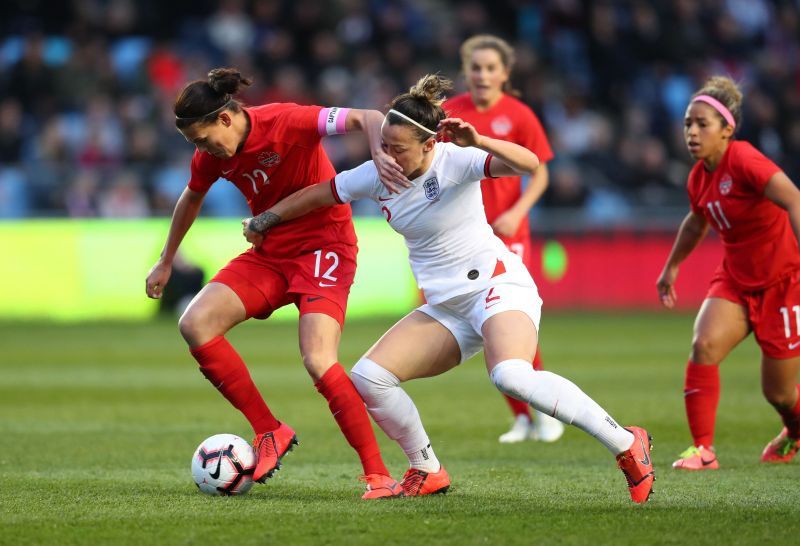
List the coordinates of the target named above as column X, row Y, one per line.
column 791, row 417
column 537, row 361
column 225, row 369
column 701, row 396
column 348, row 409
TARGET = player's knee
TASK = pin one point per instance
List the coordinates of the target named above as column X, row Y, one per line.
column 780, row 396
column 704, row 349
column 371, row 380
column 192, row 326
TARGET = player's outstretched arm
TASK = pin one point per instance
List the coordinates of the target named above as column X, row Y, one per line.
column 693, row 230
column 370, row 122
column 293, row 206
column 509, row 158
column 186, row 210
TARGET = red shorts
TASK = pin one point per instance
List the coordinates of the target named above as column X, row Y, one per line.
column 773, row 313
column 316, row 282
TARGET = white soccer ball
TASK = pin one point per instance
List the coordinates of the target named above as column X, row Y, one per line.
column 223, row 465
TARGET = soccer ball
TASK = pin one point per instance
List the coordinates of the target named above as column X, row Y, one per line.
column 223, row 465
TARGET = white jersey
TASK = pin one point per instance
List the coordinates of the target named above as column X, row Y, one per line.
column 451, row 247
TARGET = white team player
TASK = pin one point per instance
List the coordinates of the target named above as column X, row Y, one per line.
column 478, row 293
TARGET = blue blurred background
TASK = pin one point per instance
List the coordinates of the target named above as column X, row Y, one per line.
column 87, row 86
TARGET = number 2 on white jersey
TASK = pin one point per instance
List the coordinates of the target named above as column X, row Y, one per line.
column 328, row 275
column 718, row 216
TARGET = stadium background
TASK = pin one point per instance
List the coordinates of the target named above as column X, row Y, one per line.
column 86, row 128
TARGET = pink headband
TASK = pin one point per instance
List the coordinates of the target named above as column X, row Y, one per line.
column 718, row 106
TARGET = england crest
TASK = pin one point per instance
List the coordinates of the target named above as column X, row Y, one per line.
column 725, row 185
column 431, row 187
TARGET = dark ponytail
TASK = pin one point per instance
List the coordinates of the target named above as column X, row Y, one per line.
column 201, row 101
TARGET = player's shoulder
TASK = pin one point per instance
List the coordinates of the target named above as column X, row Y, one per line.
column 205, row 161
column 741, row 149
column 515, row 106
column 458, row 103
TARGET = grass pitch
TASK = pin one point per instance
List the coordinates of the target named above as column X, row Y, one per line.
column 99, row 422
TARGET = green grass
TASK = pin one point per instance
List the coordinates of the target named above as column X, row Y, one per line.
column 99, row 422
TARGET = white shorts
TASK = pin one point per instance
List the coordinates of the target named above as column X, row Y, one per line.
column 464, row 315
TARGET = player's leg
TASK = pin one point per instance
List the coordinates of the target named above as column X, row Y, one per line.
column 417, row 346
column 510, row 334
column 523, row 427
column 215, row 310
column 720, row 326
column 779, row 384
column 319, row 343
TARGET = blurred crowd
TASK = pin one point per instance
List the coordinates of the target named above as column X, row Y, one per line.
column 87, row 87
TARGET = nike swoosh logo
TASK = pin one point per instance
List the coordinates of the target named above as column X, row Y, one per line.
column 706, row 463
column 646, row 460
column 690, row 391
column 488, row 305
column 215, row 474
column 793, row 346
column 227, row 172
column 309, row 300
column 325, row 285
column 385, row 198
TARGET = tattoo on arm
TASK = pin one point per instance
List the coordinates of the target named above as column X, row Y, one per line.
column 264, row 221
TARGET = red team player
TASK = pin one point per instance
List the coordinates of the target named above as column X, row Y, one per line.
column 491, row 108
column 755, row 208
column 269, row 152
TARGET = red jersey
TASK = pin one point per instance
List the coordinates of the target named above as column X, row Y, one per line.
column 760, row 246
column 510, row 119
column 282, row 154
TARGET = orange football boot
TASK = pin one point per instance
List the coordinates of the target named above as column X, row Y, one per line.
column 418, row 482
column 381, row 487
column 780, row 450
column 270, row 447
column 697, row 458
column 637, row 466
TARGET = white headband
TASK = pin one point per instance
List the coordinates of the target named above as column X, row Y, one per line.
column 405, row 117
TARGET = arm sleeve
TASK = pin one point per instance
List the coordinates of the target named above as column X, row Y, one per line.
column 358, row 183
column 754, row 167
column 204, row 172
column 471, row 163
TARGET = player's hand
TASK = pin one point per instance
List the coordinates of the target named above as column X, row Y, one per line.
column 666, row 287
column 253, row 237
column 507, row 223
column 390, row 172
column 157, row 279
column 459, row 132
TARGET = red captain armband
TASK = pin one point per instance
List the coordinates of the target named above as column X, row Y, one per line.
column 334, row 192
column 486, row 164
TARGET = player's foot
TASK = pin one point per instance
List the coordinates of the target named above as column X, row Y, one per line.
column 697, row 458
column 546, row 428
column 381, row 487
column 637, row 465
column 521, row 430
column 418, row 482
column 780, row 450
column 270, row 447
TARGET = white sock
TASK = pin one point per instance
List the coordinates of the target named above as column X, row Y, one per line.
column 394, row 411
column 553, row 395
